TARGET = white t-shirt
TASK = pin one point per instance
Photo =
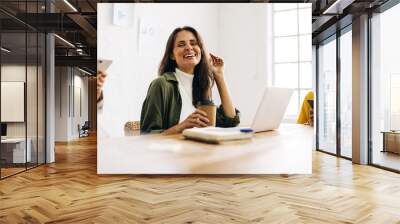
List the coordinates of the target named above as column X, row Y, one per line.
column 185, row 81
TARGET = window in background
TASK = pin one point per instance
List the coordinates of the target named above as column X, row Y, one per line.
column 14, row 155
column 32, row 101
column 346, row 93
column 292, row 53
column 22, row 63
column 385, row 89
column 327, row 96
column 394, row 101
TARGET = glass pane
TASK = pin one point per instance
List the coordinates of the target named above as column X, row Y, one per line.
column 327, row 97
column 286, row 49
column 305, row 21
column 346, row 94
column 394, row 101
column 285, row 23
column 286, row 75
column 41, row 99
column 13, row 87
column 305, row 48
column 31, row 101
column 306, row 75
column 385, row 89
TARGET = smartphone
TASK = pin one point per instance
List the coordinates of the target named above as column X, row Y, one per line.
column 103, row 64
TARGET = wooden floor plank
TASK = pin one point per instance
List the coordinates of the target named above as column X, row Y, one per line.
column 70, row 191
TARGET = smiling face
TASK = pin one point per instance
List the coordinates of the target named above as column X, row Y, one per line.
column 186, row 52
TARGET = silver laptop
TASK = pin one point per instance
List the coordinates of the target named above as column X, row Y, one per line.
column 271, row 109
column 268, row 117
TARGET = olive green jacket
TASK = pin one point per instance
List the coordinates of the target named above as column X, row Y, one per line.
column 162, row 107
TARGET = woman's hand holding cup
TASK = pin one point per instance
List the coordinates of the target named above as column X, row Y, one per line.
column 197, row 119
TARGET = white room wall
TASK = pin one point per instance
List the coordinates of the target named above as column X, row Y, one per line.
column 66, row 121
column 238, row 33
column 61, row 103
column 80, row 82
column 243, row 35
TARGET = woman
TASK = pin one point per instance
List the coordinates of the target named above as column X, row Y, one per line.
column 186, row 75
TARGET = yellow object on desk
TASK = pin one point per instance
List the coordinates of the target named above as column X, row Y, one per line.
column 305, row 116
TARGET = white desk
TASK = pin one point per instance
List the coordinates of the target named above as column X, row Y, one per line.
column 287, row 150
column 18, row 150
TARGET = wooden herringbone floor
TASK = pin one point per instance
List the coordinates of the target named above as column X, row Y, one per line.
column 70, row 191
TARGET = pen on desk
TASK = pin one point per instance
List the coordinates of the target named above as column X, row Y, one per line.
column 246, row 130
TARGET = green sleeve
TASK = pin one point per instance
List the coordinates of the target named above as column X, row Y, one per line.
column 225, row 121
column 151, row 118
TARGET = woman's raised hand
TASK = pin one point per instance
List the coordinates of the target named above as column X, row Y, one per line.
column 217, row 65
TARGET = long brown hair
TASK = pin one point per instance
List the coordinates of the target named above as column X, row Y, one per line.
column 203, row 78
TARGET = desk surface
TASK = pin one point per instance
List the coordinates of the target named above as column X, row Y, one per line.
column 286, row 150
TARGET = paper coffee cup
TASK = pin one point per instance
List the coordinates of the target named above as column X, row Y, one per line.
column 211, row 111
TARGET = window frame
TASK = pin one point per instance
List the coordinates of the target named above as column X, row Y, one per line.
column 297, row 90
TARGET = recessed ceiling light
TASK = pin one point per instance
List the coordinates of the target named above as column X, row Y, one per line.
column 5, row 50
column 338, row 6
column 70, row 5
column 64, row 40
column 84, row 71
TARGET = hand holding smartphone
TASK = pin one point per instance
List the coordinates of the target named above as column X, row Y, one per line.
column 103, row 64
